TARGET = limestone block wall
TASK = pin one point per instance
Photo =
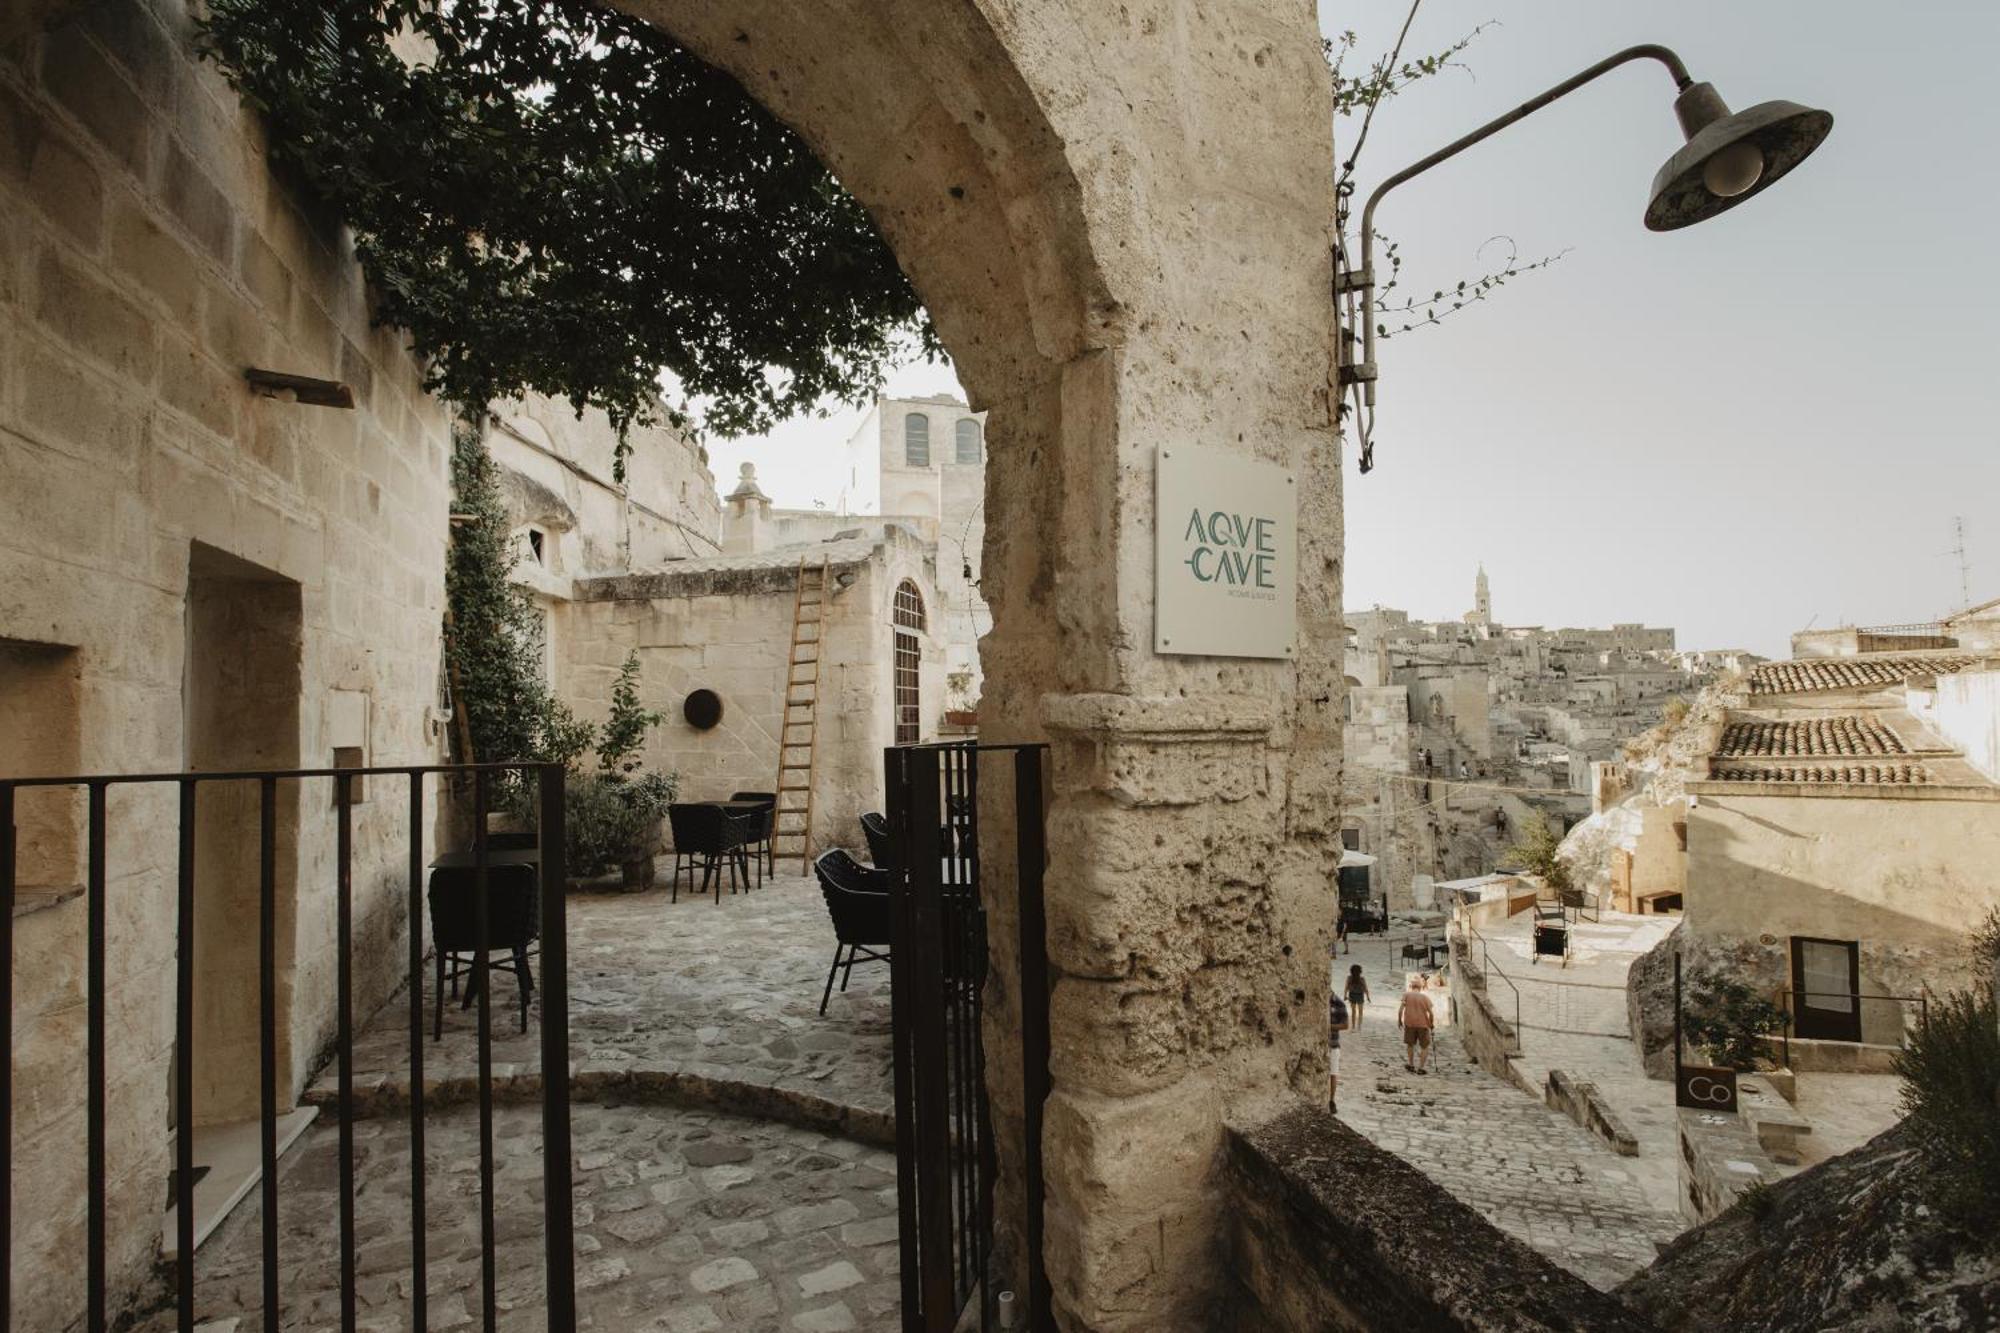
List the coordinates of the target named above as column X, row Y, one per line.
column 147, row 257
column 726, row 626
column 1903, row 875
column 666, row 509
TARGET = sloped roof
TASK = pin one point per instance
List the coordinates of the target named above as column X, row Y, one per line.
column 1810, row 674
column 1880, row 774
column 1849, row 734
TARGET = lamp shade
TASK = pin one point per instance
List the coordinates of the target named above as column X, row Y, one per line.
column 1729, row 156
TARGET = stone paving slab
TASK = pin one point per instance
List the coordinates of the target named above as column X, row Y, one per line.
column 686, row 1222
column 1525, row 1168
column 694, row 1002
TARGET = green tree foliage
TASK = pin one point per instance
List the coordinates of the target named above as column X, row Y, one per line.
column 493, row 644
column 1729, row 1019
column 1537, row 853
column 625, row 729
column 1951, row 1096
column 550, row 195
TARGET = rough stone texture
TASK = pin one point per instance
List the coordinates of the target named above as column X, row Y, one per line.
column 725, row 623
column 1497, row 1148
column 1328, row 1232
column 148, row 259
column 685, row 1220
column 692, row 1002
column 1849, row 1245
column 1119, row 217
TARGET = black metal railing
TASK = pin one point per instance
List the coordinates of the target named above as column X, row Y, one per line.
column 1788, row 998
column 547, row 783
column 945, row 1155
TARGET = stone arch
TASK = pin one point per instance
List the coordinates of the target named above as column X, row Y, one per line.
column 1119, row 217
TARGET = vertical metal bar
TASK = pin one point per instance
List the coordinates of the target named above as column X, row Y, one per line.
column 344, row 999
column 267, row 1030
column 95, row 1061
column 184, row 1065
column 1031, row 860
column 558, row 1220
column 419, row 1292
column 7, row 1045
column 482, row 981
column 933, row 1132
column 902, row 1005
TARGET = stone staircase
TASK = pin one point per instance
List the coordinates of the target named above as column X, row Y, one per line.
column 1529, row 1171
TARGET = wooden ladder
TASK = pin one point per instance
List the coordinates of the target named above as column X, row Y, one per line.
column 798, row 724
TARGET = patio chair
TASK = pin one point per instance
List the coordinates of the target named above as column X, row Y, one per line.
column 513, row 923
column 762, row 841
column 881, row 847
column 857, row 898
column 705, row 837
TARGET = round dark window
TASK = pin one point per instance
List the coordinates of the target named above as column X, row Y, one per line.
column 703, row 709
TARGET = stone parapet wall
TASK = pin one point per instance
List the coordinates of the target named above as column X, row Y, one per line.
column 1324, row 1232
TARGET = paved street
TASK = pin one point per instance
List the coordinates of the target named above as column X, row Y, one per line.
column 694, row 1001
column 1528, row 1170
column 686, row 1222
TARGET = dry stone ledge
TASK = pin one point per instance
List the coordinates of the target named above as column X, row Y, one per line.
column 1327, row 1231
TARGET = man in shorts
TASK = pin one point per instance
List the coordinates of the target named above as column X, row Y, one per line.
column 1336, row 1023
column 1418, row 1018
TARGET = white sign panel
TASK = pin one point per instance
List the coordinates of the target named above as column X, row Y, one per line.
column 1226, row 577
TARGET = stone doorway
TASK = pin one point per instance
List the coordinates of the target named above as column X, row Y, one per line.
column 240, row 702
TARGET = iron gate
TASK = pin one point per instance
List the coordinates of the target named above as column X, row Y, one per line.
column 938, row 963
column 548, row 787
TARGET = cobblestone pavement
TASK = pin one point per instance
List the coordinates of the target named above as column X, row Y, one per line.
column 697, row 1001
column 686, row 1222
column 1531, row 1172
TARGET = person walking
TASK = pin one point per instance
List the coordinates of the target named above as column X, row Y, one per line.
column 1336, row 1023
column 1418, row 1017
column 1357, row 992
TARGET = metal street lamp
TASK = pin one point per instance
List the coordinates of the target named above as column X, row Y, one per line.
column 1727, row 158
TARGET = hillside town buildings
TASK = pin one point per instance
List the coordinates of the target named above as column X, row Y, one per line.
column 1462, row 732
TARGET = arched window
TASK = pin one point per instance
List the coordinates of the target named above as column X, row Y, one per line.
column 916, row 440
column 907, row 668
column 968, row 440
column 909, row 606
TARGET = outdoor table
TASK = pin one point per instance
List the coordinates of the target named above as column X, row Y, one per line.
column 509, row 861
column 495, row 856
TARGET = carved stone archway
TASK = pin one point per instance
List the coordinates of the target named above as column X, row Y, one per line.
column 1119, row 217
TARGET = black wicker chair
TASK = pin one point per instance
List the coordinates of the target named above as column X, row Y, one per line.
column 761, row 839
column 513, row 923
column 857, row 898
column 706, row 837
column 881, row 846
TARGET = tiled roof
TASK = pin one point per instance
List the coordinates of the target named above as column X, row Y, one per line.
column 1892, row 774
column 1847, row 735
column 1847, row 673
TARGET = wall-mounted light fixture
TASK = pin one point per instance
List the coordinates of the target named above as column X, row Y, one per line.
column 1727, row 158
column 299, row 388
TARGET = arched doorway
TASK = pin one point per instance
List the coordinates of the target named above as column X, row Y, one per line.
column 1119, row 218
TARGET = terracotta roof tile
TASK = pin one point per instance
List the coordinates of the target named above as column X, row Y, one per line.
column 1846, row 735
column 1891, row 774
column 1847, row 673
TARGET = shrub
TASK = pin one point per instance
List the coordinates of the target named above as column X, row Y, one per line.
column 1951, row 1098
column 606, row 818
column 1729, row 1019
column 1538, row 850
column 625, row 730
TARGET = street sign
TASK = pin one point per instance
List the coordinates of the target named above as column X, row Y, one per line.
column 1705, row 1088
column 1226, row 541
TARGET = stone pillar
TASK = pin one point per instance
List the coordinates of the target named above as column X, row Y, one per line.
column 746, row 515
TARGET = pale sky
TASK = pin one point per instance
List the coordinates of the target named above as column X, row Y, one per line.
column 1768, row 419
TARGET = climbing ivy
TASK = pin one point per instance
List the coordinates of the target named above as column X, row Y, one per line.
column 494, row 644
column 550, row 195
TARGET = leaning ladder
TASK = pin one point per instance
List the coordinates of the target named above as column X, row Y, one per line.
column 798, row 724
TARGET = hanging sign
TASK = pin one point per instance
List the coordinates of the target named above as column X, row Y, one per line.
column 1226, row 575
